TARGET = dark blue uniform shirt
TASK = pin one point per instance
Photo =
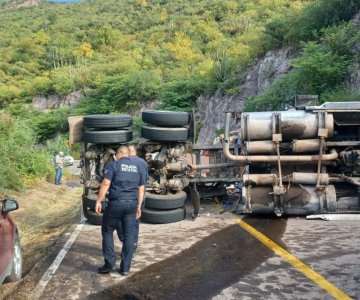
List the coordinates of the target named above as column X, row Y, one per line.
column 142, row 164
column 126, row 177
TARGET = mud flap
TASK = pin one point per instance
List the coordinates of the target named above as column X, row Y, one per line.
column 195, row 199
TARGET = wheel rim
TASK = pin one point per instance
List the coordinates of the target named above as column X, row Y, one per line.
column 17, row 260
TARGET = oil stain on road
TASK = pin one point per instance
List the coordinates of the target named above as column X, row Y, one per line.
column 204, row 269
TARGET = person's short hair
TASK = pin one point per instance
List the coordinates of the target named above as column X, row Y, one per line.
column 123, row 150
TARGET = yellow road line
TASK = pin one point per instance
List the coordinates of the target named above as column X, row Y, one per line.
column 295, row 262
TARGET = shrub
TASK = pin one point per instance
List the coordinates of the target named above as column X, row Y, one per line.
column 341, row 94
column 92, row 106
column 342, row 40
column 8, row 94
column 62, row 83
column 128, row 91
column 59, row 143
column 320, row 70
column 20, row 161
column 41, row 85
column 47, row 125
column 182, row 94
column 307, row 24
column 280, row 94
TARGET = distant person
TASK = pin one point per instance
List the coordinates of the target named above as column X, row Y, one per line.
column 125, row 183
column 59, row 167
column 144, row 171
column 232, row 196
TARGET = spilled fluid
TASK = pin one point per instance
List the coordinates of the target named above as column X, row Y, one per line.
column 203, row 270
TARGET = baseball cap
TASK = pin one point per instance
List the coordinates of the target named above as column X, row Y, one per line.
column 230, row 187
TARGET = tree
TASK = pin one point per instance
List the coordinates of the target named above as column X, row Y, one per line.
column 84, row 51
column 320, row 70
column 181, row 48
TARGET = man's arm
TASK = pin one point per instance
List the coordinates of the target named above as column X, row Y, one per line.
column 104, row 187
column 140, row 200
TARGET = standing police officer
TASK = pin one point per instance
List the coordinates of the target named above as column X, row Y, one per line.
column 125, row 184
column 144, row 171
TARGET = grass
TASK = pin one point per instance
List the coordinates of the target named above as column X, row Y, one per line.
column 45, row 213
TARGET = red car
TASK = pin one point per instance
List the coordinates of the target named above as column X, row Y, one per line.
column 10, row 249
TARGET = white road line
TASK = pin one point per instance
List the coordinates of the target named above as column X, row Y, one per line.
column 40, row 287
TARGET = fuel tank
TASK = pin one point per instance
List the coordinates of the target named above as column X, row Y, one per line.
column 257, row 126
column 298, row 200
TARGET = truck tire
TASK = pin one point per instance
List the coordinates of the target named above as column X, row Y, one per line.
column 163, row 216
column 90, row 202
column 108, row 137
column 16, row 269
column 107, row 121
column 164, row 134
column 93, row 218
column 168, row 201
column 165, row 117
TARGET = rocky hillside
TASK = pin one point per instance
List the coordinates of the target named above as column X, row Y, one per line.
column 120, row 56
column 260, row 76
column 211, row 108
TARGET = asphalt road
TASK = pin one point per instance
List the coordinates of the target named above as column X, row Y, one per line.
column 215, row 257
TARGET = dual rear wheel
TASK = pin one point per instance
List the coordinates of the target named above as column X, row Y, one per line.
column 161, row 209
column 162, row 127
column 105, row 131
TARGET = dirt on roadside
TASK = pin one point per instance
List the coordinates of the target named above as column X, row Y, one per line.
column 45, row 212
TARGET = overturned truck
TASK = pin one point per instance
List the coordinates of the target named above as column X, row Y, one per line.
column 299, row 162
column 296, row 162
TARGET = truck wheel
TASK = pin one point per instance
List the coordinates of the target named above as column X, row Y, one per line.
column 165, row 117
column 162, row 216
column 168, row 201
column 108, row 137
column 16, row 269
column 93, row 218
column 107, row 121
column 90, row 202
column 164, row 134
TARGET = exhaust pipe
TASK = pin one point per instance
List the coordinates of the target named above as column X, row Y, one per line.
column 214, row 166
column 273, row 158
column 298, row 178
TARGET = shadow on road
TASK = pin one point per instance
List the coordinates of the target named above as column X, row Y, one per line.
column 204, row 269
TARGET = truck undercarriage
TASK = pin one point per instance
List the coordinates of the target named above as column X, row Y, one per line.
column 296, row 162
column 299, row 162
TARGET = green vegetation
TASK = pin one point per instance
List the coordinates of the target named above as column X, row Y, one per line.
column 125, row 52
column 327, row 52
column 295, row 27
column 45, row 124
column 181, row 95
column 20, row 161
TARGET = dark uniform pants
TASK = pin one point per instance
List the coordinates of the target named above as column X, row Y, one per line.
column 119, row 214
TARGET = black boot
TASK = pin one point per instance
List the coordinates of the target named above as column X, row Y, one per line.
column 106, row 269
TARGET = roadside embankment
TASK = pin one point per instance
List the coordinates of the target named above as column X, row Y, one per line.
column 45, row 212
